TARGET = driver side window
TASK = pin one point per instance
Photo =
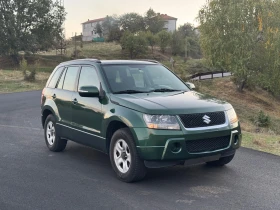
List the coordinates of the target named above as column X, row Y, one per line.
column 88, row 77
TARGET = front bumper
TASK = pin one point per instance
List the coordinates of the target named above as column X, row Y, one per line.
column 155, row 145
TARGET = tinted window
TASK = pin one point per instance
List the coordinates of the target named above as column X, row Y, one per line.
column 55, row 78
column 70, row 78
column 88, row 77
column 61, row 81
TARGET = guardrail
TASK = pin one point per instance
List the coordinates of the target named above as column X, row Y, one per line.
column 210, row 75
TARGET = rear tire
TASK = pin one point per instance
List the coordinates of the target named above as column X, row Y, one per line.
column 53, row 141
column 222, row 161
column 124, row 157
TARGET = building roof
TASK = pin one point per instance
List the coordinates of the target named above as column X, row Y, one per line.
column 94, row 21
column 167, row 17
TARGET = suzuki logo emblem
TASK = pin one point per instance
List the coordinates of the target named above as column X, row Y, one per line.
column 206, row 119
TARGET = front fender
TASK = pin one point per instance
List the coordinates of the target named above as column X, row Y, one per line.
column 131, row 118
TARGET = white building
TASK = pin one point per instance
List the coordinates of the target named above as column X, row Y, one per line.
column 89, row 27
column 170, row 22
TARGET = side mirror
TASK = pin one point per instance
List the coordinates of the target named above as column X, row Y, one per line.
column 190, row 85
column 89, row 91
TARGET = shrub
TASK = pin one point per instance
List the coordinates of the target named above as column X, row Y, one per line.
column 134, row 44
column 29, row 73
column 262, row 119
column 151, row 39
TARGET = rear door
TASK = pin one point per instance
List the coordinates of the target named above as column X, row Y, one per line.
column 63, row 99
column 87, row 112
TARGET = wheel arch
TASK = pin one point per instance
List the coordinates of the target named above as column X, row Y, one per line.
column 46, row 112
column 112, row 127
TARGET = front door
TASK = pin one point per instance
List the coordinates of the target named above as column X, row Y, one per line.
column 87, row 113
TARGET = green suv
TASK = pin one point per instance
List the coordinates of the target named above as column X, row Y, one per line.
column 138, row 112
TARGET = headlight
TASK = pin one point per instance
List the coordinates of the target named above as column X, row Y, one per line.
column 163, row 122
column 232, row 116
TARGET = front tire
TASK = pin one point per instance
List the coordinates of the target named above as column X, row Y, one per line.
column 124, row 157
column 222, row 161
column 53, row 141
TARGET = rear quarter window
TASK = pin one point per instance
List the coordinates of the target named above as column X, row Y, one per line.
column 54, row 78
column 70, row 78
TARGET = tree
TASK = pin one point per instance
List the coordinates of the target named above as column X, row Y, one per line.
column 132, row 22
column 192, row 47
column 111, row 29
column 153, row 21
column 163, row 38
column 98, row 29
column 177, row 43
column 107, row 25
column 243, row 37
column 134, row 44
column 151, row 39
column 187, row 30
column 29, row 25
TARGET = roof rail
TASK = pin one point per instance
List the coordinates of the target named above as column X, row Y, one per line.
column 89, row 59
column 149, row 60
column 85, row 59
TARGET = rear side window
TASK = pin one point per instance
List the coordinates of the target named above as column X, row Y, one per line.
column 70, row 78
column 55, row 78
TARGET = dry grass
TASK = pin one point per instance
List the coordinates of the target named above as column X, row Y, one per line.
column 12, row 81
column 261, row 142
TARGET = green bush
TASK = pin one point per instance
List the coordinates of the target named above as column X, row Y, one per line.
column 151, row 39
column 29, row 72
column 134, row 44
column 262, row 119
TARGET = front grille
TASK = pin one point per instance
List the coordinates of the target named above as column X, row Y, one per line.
column 208, row 145
column 203, row 119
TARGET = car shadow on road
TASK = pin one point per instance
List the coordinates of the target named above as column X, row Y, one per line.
column 90, row 160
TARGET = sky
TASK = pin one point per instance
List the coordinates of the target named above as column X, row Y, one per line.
column 79, row 11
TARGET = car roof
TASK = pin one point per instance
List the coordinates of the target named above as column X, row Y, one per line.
column 109, row 62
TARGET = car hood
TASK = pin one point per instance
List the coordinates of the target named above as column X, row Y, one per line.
column 170, row 103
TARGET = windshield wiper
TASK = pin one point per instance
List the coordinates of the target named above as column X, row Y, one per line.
column 129, row 92
column 165, row 90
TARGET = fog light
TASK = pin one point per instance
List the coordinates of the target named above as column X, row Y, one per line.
column 236, row 140
column 176, row 147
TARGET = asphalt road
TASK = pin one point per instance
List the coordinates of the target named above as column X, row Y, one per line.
column 32, row 177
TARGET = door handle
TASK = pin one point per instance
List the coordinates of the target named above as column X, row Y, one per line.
column 54, row 96
column 75, row 101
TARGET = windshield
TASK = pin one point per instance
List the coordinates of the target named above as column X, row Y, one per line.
column 142, row 79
